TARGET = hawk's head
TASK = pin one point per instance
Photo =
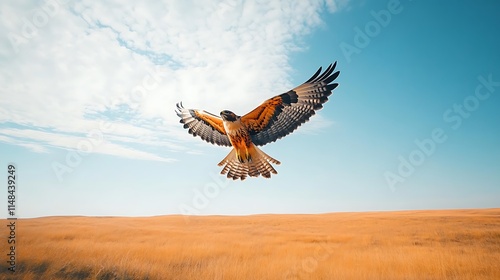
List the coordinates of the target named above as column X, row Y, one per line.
column 228, row 116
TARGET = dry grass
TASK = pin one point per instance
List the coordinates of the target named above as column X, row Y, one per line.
column 455, row 244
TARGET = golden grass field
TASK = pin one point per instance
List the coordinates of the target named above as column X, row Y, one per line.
column 449, row 244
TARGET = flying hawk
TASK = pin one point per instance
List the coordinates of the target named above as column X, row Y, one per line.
column 273, row 119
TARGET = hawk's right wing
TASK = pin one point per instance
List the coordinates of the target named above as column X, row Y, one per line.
column 204, row 124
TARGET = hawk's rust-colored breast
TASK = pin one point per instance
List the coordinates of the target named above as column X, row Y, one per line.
column 240, row 139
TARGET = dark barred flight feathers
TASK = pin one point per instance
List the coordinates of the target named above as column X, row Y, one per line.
column 204, row 124
column 282, row 114
column 272, row 120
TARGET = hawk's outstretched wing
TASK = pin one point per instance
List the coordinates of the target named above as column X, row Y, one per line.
column 204, row 124
column 282, row 114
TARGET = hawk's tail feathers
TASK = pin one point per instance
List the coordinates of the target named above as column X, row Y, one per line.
column 260, row 164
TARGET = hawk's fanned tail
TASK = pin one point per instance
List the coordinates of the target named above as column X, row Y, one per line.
column 260, row 164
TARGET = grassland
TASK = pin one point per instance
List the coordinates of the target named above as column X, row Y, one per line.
column 451, row 244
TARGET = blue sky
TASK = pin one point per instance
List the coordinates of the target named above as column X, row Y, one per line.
column 89, row 91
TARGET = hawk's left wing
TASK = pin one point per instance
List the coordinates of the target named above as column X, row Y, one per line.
column 204, row 124
column 282, row 114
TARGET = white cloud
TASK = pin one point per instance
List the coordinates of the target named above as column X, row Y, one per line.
column 316, row 124
column 67, row 67
column 335, row 5
column 37, row 148
column 88, row 143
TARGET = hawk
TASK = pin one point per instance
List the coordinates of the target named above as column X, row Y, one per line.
column 270, row 121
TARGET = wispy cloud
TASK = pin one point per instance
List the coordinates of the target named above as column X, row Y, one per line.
column 316, row 124
column 68, row 67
